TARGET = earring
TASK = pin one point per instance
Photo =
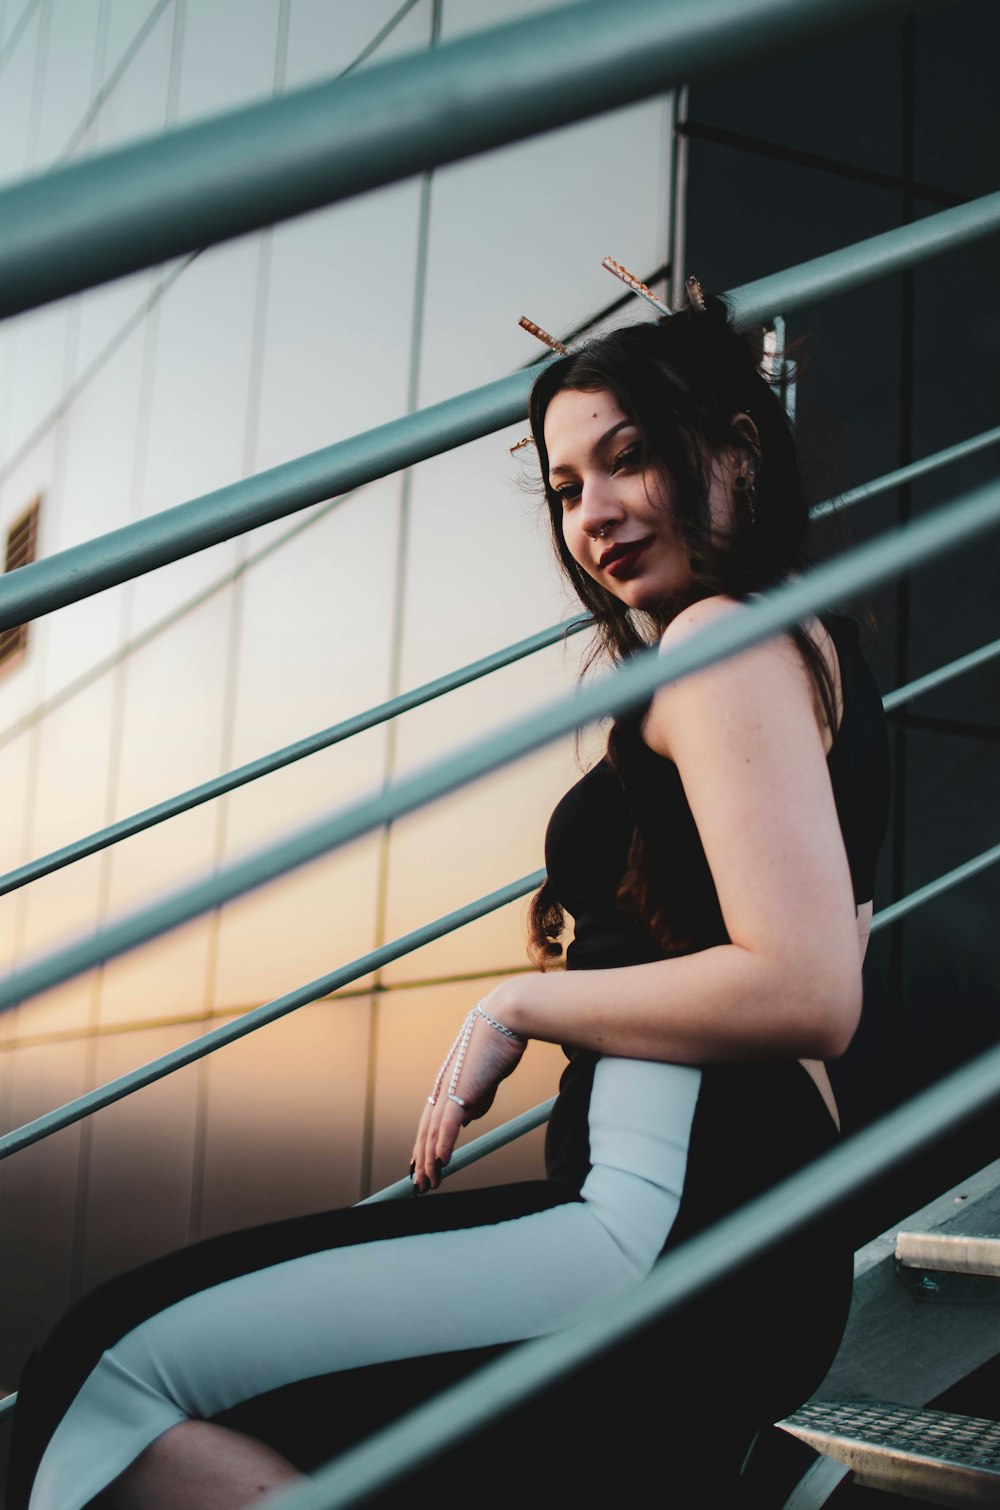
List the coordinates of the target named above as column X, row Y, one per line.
column 745, row 485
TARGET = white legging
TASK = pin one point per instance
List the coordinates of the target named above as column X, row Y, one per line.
column 400, row 1297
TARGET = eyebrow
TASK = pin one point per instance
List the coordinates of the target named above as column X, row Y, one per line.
column 623, row 424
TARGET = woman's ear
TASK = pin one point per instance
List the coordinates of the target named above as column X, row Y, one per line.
column 744, row 426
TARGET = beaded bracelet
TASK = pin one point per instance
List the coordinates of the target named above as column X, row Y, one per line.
column 464, row 1033
column 458, row 1051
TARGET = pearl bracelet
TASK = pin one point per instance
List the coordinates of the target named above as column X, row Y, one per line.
column 458, row 1050
column 462, row 1043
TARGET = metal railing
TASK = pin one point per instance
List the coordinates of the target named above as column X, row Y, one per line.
column 121, row 212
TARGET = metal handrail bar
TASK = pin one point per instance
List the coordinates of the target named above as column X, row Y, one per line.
column 217, row 786
column 238, row 507
column 943, row 674
column 840, row 271
column 858, row 569
column 937, row 887
column 193, row 526
column 697, row 1263
column 258, row 1017
column 479, row 1148
column 123, row 210
column 909, row 473
column 170, row 807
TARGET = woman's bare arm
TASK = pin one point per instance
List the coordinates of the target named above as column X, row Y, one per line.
column 750, row 752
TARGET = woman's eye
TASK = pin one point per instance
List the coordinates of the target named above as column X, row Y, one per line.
column 628, row 457
column 569, row 492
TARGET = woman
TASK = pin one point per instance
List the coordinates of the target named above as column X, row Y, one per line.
column 718, row 864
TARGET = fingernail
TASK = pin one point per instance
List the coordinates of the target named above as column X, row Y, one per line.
column 413, row 1165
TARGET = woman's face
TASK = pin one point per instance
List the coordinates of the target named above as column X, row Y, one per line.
column 617, row 518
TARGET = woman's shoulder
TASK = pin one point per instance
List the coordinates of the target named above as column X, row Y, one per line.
column 706, row 611
column 697, row 616
column 768, row 658
column 729, row 698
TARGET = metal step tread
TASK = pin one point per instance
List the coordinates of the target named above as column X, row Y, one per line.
column 948, row 1459
column 951, row 1253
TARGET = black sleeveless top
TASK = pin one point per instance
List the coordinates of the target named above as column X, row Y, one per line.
column 591, row 830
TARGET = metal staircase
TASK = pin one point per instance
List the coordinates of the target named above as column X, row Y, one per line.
column 926, row 1314
column 935, row 1456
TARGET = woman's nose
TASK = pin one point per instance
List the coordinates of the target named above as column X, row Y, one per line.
column 599, row 508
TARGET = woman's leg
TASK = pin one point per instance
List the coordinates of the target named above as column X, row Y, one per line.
column 197, row 1463
column 189, row 1338
column 256, row 1314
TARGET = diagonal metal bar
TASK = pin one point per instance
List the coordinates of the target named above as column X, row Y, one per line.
column 287, row 755
column 857, row 570
column 479, row 1148
column 909, row 473
column 229, row 1032
column 274, row 494
column 877, row 257
column 532, row 1366
column 943, row 674
column 188, row 527
column 120, row 211
column 936, row 888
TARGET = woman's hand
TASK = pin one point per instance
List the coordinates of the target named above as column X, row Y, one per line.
column 484, row 1053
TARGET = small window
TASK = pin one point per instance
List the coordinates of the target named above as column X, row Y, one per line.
column 22, row 539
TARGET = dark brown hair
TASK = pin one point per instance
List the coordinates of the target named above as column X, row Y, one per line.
column 682, row 380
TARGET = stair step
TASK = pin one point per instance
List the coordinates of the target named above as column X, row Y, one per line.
column 950, row 1254
column 933, row 1455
